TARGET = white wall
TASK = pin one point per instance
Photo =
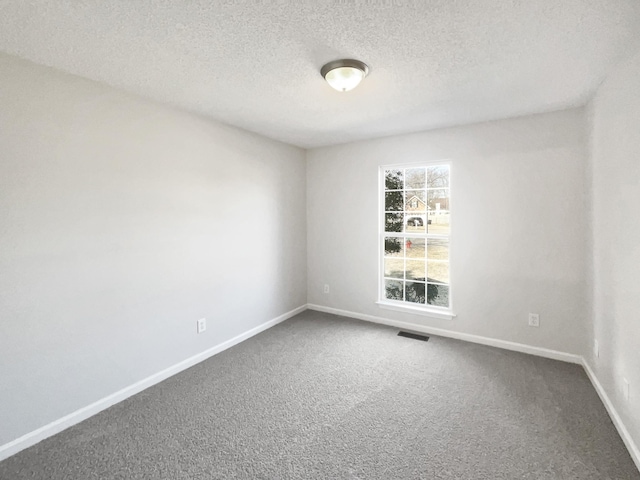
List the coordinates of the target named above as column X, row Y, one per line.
column 519, row 226
column 615, row 235
column 121, row 223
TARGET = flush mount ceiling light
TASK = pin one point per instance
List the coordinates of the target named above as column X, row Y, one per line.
column 344, row 75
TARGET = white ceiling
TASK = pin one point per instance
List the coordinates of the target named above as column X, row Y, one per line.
column 255, row 63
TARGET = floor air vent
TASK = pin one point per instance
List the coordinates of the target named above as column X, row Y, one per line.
column 415, row 336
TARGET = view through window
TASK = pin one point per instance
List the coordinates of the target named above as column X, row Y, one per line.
column 415, row 236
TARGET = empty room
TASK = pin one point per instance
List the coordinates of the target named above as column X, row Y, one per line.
column 330, row 239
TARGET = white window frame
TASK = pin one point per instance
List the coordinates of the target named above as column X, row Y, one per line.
column 445, row 313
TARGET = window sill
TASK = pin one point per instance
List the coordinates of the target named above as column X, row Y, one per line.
column 441, row 314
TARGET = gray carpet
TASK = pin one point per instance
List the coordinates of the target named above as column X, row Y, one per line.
column 321, row 396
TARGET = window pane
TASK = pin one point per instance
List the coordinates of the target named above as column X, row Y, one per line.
column 415, row 270
column 393, row 180
column 394, row 267
column 415, row 201
column 415, row 292
column 393, row 201
column 438, row 272
column 414, row 178
column 438, row 177
column 415, row 247
column 438, row 249
column 438, row 205
column 393, row 289
column 394, row 247
column 438, row 200
column 414, row 222
column 438, row 295
column 439, row 224
column 393, row 222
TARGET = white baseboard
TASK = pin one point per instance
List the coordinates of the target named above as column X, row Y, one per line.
column 516, row 347
column 67, row 421
column 634, row 451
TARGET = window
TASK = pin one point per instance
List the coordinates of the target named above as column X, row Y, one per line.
column 415, row 235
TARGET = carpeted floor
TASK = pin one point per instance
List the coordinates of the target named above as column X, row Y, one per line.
column 325, row 397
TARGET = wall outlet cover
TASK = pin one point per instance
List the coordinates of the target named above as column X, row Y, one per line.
column 201, row 325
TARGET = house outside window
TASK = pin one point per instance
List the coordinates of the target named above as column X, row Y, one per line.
column 415, row 232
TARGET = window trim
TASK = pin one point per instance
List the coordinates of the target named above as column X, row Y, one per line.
column 440, row 313
column 444, row 313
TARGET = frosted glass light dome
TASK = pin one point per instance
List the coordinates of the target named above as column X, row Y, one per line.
column 344, row 75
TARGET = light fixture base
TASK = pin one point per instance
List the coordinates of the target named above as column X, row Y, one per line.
column 347, row 62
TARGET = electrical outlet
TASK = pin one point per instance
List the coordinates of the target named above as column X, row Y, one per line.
column 625, row 389
column 326, row 288
column 201, row 325
column 596, row 348
column 534, row 320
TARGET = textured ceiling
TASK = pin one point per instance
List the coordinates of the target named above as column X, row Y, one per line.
column 255, row 63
